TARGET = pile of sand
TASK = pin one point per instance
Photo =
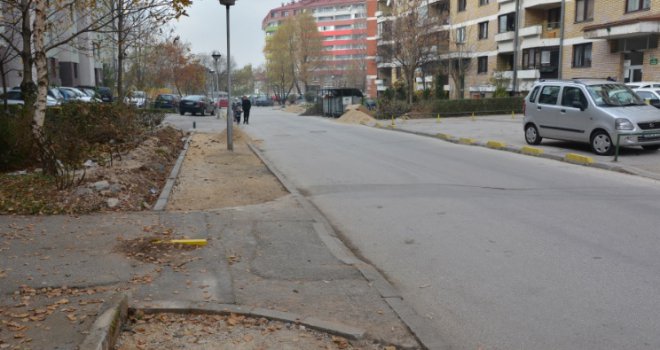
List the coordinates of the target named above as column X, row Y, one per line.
column 298, row 109
column 355, row 114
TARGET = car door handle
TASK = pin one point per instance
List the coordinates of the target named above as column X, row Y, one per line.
column 563, row 111
column 538, row 107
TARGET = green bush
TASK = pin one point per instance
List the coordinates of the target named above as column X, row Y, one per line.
column 386, row 109
column 500, row 105
column 17, row 149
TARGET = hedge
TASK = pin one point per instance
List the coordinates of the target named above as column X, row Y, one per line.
column 483, row 106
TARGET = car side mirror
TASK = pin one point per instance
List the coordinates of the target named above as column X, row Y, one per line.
column 578, row 104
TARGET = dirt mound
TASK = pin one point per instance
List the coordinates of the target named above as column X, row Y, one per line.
column 295, row 109
column 356, row 114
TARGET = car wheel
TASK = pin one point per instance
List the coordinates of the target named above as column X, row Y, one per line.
column 532, row 135
column 651, row 147
column 601, row 143
column 212, row 112
column 183, row 113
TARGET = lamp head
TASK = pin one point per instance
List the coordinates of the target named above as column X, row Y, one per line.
column 227, row 2
column 216, row 55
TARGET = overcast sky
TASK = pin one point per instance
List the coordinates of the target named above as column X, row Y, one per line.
column 205, row 28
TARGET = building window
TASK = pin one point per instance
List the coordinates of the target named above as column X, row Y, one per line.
column 482, row 64
column 584, row 10
column 554, row 17
column 637, row 5
column 462, row 4
column 483, row 2
column 582, row 55
column 460, row 35
column 483, row 30
column 75, row 70
column 507, row 23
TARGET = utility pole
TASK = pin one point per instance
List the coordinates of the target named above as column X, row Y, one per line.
column 515, row 49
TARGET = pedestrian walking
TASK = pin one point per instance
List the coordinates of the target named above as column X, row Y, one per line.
column 246, row 109
column 237, row 108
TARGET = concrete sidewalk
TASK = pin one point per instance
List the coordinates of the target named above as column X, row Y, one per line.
column 266, row 256
column 508, row 129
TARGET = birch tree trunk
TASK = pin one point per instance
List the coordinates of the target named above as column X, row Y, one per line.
column 41, row 64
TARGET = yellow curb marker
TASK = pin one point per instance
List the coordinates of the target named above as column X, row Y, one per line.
column 578, row 159
column 198, row 242
column 495, row 144
column 467, row 141
column 533, row 151
column 439, row 118
column 443, row 136
column 513, row 115
column 473, row 118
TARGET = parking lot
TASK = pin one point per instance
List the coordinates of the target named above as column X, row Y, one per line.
column 509, row 130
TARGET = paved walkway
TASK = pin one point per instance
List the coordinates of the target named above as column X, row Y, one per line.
column 509, row 130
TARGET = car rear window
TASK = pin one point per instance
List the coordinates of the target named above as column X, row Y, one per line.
column 549, row 95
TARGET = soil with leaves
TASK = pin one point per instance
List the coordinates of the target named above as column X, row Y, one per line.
column 226, row 332
column 131, row 182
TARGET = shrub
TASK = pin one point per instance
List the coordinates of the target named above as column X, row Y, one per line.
column 17, row 149
column 386, row 109
column 450, row 108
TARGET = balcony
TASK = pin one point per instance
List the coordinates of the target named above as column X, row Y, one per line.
column 503, row 1
column 541, row 4
column 531, row 31
column 506, row 36
column 524, row 74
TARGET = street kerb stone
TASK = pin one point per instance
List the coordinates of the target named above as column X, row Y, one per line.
column 161, row 203
column 107, row 327
column 318, row 324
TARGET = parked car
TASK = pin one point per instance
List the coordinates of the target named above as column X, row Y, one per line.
column 106, row 94
column 167, row 101
column 91, row 91
column 590, row 111
column 222, row 102
column 263, row 101
column 56, row 94
column 195, row 104
column 652, row 95
column 72, row 94
column 15, row 97
column 138, row 99
column 643, row 84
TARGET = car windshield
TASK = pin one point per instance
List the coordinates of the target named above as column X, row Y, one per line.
column 138, row 94
column 613, row 95
column 166, row 97
column 193, row 98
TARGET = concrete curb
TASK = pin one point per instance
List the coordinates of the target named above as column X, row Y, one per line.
column 107, row 327
column 161, row 203
column 427, row 336
column 529, row 151
column 330, row 327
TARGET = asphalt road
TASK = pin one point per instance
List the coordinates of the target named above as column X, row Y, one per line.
column 497, row 250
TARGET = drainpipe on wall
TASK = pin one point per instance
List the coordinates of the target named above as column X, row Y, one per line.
column 561, row 39
column 515, row 49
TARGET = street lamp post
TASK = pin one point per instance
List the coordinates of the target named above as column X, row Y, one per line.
column 212, row 72
column 216, row 56
column 230, row 114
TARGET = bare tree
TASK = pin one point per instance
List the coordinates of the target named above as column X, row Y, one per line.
column 414, row 39
column 459, row 59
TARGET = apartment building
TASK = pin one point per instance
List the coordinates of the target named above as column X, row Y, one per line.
column 343, row 26
column 600, row 39
column 68, row 65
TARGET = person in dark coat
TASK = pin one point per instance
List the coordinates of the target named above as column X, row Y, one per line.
column 246, row 110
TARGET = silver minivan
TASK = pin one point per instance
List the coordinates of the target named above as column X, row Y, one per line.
column 592, row 111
